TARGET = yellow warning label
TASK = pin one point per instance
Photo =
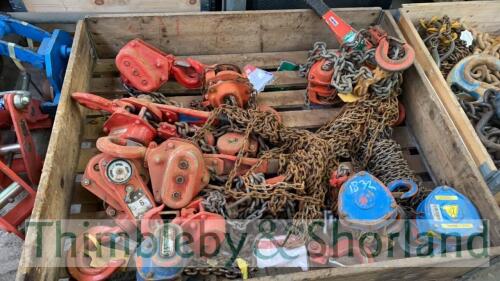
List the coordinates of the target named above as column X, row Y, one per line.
column 451, row 210
column 456, row 225
column 446, row 197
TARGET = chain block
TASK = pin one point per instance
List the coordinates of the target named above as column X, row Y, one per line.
column 445, row 211
column 198, row 222
column 319, row 79
column 226, row 83
column 95, row 240
column 125, row 125
column 121, row 183
column 147, row 68
column 159, row 257
column 365, row 203
column 231, row 143
column 177, row 171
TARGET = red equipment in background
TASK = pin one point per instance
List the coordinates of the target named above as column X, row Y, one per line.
column 19, row 159
column 146, row 68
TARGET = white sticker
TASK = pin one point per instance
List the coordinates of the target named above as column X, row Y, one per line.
column 86, row 145
column 436, row 212
column 67, row 244
column 140, row 206
column 11, row 205
column 75, row 209
column 467, row 37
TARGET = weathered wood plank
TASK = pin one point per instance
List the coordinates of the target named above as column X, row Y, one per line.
column 249, row 32
column 484, row 17
column 112, row 6
column 112, row 85
column 56, row 183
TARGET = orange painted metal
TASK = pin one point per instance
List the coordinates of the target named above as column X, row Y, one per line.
column 147, row 68
column 223, row 82
column 231, row 143
column 121, row 184
column 79, row 265
column 177, row 171
column 207, row 229
column 319, row 78
column 223, row 164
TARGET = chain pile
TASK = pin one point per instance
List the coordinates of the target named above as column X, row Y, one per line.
column 442, row 38
column 306, row 159
column 486, row 121
column 486, row 43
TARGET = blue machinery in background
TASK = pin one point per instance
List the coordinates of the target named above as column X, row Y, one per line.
column 52, row 54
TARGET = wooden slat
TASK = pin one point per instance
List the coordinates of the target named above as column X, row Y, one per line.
column 56, row 183
column 269, row 60
column 112, row 85
column 192, row 34
column 482, row 15
column 111, row 6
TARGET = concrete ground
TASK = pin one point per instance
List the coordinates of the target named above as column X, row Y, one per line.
column 10, row 252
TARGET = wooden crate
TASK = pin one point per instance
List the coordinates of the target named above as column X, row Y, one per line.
column 481, row 15
column 430, row 140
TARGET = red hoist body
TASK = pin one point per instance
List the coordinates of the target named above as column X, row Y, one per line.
column 20, row 162
column 147, row 68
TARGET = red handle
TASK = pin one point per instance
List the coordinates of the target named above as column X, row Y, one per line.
column 343, row 32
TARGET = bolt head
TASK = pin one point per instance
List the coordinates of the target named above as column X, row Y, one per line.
column 176, row 195
column 179, row 179
column 126, row 63
column 111, row 212
column 183, row 165
column 144, row 82
column 85, row 181
column 129, row 188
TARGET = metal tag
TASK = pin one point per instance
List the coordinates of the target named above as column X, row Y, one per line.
column 140, row 206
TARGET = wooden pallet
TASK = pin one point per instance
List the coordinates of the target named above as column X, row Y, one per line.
column 430, row 141
column 484, row 18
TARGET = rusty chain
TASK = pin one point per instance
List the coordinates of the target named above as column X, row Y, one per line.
column 306, row 158
column 443, row 32
column 442, row 38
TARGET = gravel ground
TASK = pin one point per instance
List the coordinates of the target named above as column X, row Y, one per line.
column 11, row 247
